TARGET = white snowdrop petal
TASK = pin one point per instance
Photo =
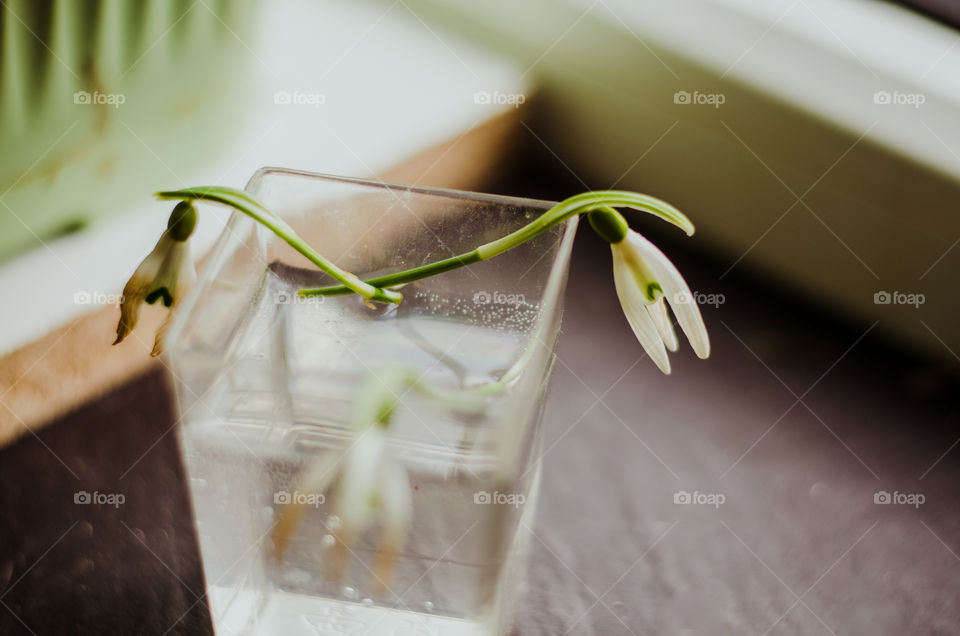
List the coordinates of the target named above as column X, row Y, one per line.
column 178, row 275
column 688, row 315
column 140, row 285
column 161, row 335
column 322, row 471
column 358, row 483
column 149, row 267
column 635, row 309
column 187, row 279
column 677, row 293
column 397, row 502
column 168, row 274
column 133, row 295
column 658, row 313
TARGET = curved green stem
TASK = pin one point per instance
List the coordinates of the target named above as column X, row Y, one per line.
column 243, row 202
column 566, row 209
column 400, row 278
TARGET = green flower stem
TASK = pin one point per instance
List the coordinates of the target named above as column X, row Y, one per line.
column 407, row 276
column 602, row 201
column 246, row 204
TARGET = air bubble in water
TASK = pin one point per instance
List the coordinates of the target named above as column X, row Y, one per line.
column 349, row 593
column 428, row 606
column 327, row 541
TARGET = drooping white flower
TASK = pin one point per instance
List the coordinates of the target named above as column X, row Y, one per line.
column 367, row 483
column 165, row 274
column 373, row 485
column 646, row 282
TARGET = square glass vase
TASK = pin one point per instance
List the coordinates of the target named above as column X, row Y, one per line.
column 265, row 383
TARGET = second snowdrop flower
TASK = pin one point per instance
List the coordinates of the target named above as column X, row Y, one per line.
column 646, row 282
column 165, row 275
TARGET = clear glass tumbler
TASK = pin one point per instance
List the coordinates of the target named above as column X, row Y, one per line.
column 265, row 382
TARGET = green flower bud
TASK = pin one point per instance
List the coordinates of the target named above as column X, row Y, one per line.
column 182, row 221
column 609, row 224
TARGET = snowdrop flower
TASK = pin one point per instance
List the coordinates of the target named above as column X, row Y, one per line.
column 373, row 484
column 365, row 480
column 165, row 274
column 646, row 282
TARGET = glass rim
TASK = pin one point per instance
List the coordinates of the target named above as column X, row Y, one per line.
column 373, row 182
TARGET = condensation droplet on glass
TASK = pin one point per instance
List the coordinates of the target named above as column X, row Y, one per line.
column 428, row 606
column 327, row 541
column 349, row 593
column 367, row 601
column 334, row 522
